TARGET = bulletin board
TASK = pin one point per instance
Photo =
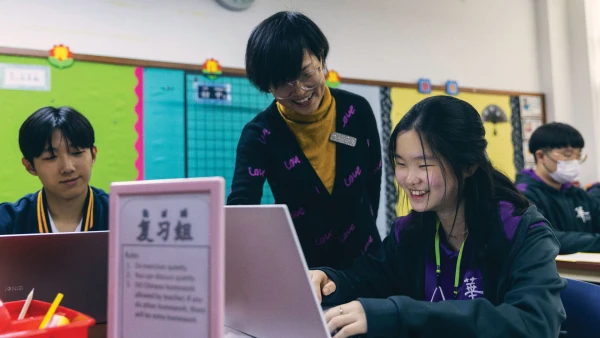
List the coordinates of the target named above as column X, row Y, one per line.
column 152, row 120
column 104, row 93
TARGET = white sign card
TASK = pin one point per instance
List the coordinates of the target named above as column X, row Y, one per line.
column 24, row 77
column 166, row 259
column 212, row 93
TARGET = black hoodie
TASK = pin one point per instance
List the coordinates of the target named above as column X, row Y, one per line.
column 521, row 286
column 574, row 215
column 594, row 191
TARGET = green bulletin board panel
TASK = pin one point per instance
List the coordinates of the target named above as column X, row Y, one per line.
column 104, row 93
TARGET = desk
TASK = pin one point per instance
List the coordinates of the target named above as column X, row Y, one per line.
column 99, row 331
column 580, row 266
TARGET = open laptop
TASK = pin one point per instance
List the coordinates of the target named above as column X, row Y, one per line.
column 74, row 264
column 268, row 292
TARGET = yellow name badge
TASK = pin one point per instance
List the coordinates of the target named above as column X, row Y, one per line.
column 343, row 139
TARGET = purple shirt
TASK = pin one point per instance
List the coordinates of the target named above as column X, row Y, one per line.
column 470, row 285
column 531, row 173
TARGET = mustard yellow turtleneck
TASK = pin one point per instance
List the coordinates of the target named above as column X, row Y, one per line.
column 312, row 133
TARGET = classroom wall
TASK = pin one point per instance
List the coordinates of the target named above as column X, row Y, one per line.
column 592, row 8
column 566, row 74
column 524, row 45
column 484, row 43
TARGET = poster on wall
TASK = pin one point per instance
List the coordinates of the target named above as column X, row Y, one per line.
column 529, row 126
column 528, row 156
column 531, row 106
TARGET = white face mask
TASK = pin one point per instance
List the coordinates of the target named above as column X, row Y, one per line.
column 566, row 171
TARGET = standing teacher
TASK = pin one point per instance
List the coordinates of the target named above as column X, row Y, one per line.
column 317, row 147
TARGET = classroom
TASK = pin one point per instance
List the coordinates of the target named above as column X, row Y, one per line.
column 300, row 168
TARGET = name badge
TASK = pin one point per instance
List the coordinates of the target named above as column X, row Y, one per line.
column 343, row 139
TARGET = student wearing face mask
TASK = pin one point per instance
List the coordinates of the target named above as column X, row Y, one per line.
column 575, row 215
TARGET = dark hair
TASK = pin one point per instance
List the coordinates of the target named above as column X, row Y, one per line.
column 454, row 132
column 555, row 135
column 36, row 132
column 276, row 48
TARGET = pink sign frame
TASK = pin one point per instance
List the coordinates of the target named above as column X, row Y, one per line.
column 215, row 187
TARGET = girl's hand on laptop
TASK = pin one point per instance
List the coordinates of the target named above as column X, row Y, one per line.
column 323, row 285
column 346, row 320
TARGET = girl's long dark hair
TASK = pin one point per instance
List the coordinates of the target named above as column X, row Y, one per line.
column 454, row 132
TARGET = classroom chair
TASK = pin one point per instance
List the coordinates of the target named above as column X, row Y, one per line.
column 582, row 304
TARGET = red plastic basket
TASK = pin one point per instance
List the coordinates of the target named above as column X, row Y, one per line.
column 28, row 327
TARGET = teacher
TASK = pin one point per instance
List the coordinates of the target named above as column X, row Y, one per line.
column 318, row 148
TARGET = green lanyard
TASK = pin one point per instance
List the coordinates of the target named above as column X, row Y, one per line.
column 438, row 270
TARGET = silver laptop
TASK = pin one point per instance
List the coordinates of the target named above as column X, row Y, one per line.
column 268, row 292
column 74, row 264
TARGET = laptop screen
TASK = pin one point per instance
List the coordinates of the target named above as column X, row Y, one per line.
column 74, row 264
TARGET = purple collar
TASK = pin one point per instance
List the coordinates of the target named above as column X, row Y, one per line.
column 531, row 173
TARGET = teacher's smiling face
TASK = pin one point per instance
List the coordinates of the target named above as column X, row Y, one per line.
column 285, row 56
column 304, row 94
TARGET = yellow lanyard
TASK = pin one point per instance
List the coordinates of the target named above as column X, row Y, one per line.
column 41, row 213
column 438, row 270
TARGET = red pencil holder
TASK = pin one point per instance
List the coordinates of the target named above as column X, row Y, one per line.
column 29, row 326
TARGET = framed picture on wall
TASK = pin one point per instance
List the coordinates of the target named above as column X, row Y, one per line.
column 527, row 156
column 531, row 106
column 529, row 125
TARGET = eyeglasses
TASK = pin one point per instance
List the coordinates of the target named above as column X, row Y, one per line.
column 581, row 157
column 307, row 81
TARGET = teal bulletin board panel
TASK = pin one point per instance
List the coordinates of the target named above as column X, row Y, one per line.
column 214, row 126
column 187, row 136
column 164, row 124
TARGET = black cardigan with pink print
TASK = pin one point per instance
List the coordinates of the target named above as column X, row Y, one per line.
column 333, row 229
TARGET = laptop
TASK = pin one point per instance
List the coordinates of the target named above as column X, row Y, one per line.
column 268, row 292
column 74, row 264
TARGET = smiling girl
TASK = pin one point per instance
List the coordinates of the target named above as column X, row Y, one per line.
column 472, row 259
